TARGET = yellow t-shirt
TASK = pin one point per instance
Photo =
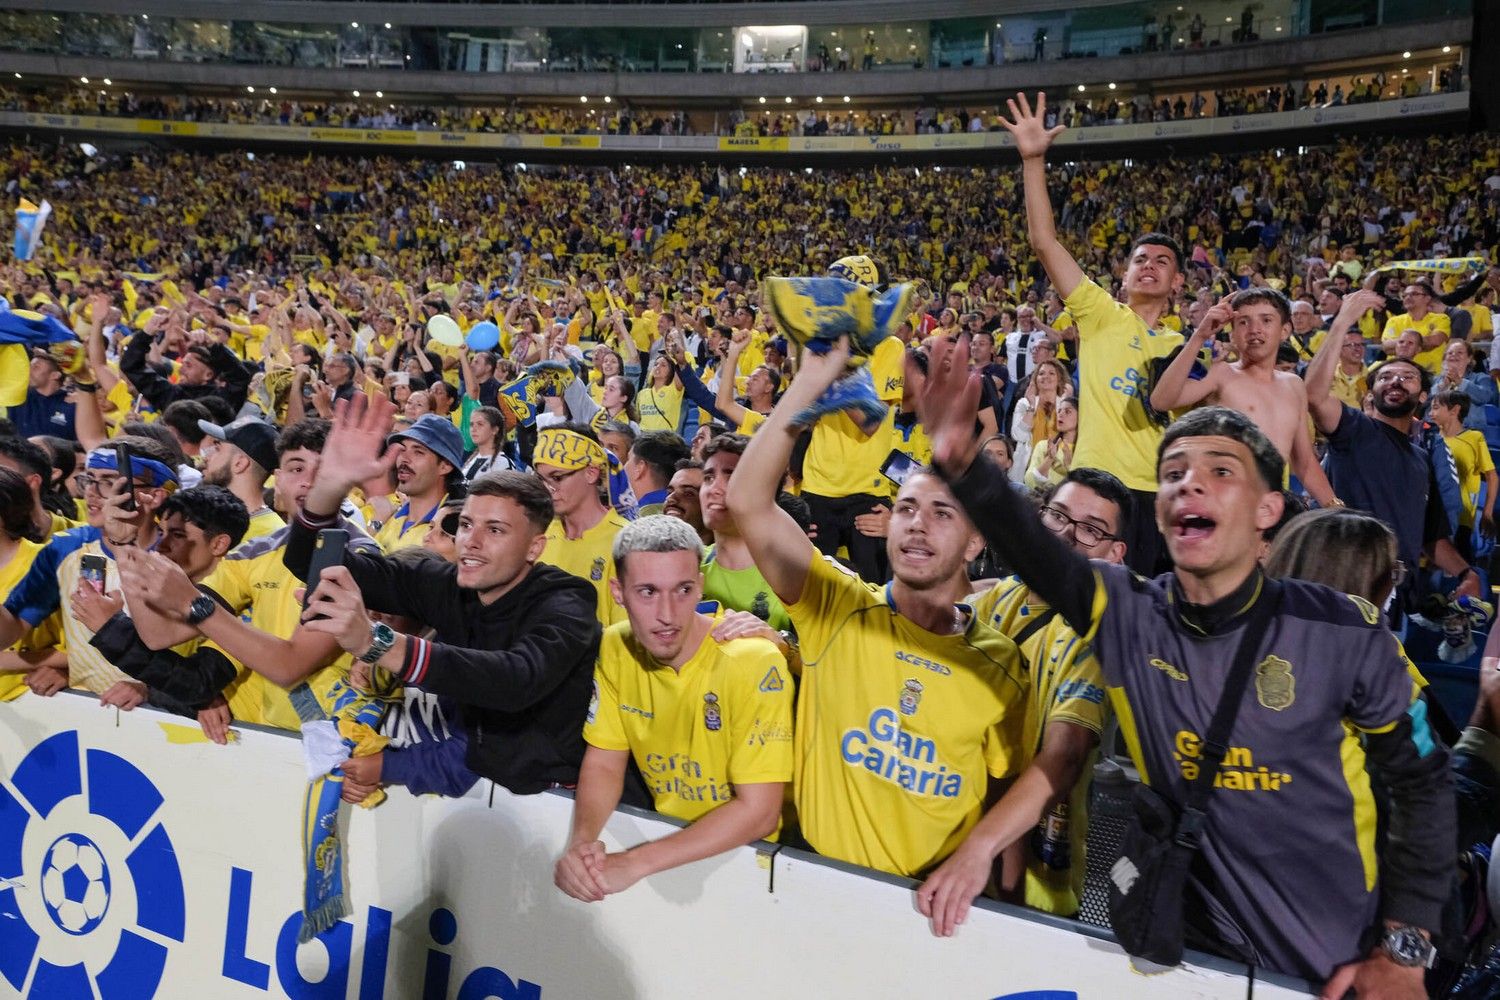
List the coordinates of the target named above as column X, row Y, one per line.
column 898, row 729
column 263, row 522
column 1471, row 457
column 841, row 460
column 13, row 684
column 589, row 556
column 1432, row 323
column 253, row 579
column 1116, row 350
column 1483, row 324
column 751, row 423
column 1066, row 686
column 723, row 718
column 660, row 409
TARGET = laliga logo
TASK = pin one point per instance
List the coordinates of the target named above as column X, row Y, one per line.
column 90, row 890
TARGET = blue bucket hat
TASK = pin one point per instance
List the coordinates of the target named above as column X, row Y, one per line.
column 436, row 434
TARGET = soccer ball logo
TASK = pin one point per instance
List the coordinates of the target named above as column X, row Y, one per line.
column 75, row 884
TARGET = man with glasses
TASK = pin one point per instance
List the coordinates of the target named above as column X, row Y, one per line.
column 1041, row 824
column 1372, row 463
column 1431, row 324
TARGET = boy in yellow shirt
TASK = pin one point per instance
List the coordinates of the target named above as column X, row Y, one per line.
column 702, row 705
column 1471, row 457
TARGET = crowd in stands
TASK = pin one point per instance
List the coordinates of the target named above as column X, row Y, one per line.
column 619, row 522
column 608, row 117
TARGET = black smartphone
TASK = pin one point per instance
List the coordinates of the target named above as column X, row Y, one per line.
column 898, row 465
column 329, row 552
column 127, row 479
column 91, row 571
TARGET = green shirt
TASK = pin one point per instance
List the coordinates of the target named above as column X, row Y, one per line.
column 743, row 590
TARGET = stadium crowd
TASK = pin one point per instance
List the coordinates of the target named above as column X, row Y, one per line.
column 605, row 116
column 546, row 459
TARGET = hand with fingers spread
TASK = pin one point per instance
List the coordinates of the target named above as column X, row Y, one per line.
column 355, row 452
column 1028, row 127
column 947, row 404
column 152, row 579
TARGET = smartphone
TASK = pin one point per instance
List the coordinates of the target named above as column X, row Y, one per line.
column 91, row 571
column 127, row 479
column 898, row 466
column 329, row 552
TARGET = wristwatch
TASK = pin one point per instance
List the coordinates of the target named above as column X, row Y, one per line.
column 382, row 638
column 1407, row 946
column 200, row 609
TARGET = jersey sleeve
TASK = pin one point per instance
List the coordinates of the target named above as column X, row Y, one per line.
column 39, row 593
column 1088, row 304
column 829, row 596
column 602, row 727
column 1482, row 452
column 1383, row 688
column 888, row 369
column 1079, row 697
column 760, row 716
column 1006, row 743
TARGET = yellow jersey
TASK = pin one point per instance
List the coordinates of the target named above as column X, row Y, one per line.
column 401, row 532
column 255, row 584
column 660, row 408
column 47, row 634
column 841, row 459
column 263, row 522
column 1432, row 323
column 1471, row 459
column 591, row 557
column 898, row 729
column 1117, row 349
column 724, row 718
column 1066, row 686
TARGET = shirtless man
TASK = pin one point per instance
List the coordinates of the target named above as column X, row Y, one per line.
column 1277, row 401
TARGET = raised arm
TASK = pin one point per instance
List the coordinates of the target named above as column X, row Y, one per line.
column 1325, row 408
column 780, row 549
column 724, row 396
column 1046, row 564
column 1176, row 389
column 1032, row 140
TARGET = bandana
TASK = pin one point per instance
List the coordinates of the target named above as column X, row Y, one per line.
column 141, row 467
column 568, row 450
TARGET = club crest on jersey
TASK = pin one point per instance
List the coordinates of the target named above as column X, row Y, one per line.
column 761, row 606
column 596, row 573
column 711, row 718
column 1275, row 687
column 911, row 696
column 1368, row 611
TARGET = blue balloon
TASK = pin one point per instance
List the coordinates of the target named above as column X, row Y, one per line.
column 484, row 336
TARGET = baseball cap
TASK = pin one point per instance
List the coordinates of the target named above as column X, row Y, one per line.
column 436, row 434
column 255, row 438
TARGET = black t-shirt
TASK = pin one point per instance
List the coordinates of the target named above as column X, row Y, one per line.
column 1374, row 467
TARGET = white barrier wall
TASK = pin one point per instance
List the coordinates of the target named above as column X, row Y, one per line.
column 133, row 866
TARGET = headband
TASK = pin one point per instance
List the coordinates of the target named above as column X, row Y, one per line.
column 141, row 467
column 568, row 450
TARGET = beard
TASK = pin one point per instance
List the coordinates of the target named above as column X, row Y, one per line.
column 1406, row 408
column 217, row 477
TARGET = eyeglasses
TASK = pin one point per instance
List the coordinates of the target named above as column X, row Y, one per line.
column 1085, row 533
column 559, row 478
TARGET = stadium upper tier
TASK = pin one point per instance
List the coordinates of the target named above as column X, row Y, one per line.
column 860, row 42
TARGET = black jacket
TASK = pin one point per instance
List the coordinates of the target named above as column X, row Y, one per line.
column 161, row 392
column 522, row 668
column 189, row 683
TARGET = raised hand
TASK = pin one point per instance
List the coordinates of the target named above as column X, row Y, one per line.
column 356, row 451
column 948, row 404
column 1214, row 320
column 1027, row 126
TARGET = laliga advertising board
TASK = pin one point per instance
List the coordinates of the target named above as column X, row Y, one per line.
column 137, row 863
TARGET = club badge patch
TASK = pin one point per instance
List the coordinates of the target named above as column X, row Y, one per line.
column 911, row 696
column 1275, row 687
column 712, row 721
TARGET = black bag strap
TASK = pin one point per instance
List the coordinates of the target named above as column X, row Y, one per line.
column 1034, row 626
column 1190, row 823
